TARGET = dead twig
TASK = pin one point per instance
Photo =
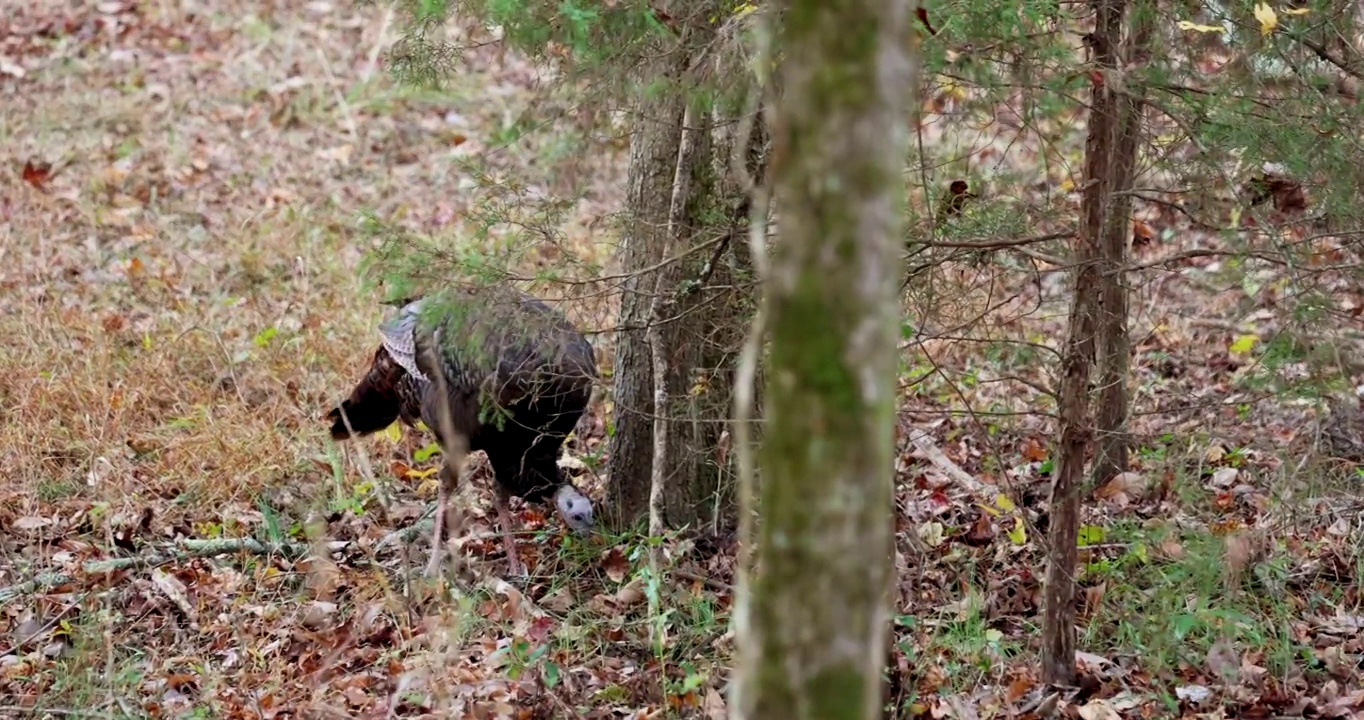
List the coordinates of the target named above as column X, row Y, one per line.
column 709, row 582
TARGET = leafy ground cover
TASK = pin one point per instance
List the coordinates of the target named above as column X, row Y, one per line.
column 179, row 244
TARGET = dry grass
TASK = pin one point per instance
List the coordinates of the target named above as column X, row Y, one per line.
column 182, row 300
column 181, row 303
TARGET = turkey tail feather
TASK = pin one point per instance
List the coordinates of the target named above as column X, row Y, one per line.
column 374, row 404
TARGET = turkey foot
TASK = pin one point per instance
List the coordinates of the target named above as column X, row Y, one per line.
column 515, row 567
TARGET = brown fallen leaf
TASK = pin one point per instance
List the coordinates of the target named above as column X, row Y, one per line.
column 615, row 565
column 1034, row 451
column 1122, row 489
column 37, row 174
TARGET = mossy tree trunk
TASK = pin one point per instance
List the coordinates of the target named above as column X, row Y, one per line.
column 813, row 621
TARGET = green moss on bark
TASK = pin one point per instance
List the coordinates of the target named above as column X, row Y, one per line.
column 815, row 625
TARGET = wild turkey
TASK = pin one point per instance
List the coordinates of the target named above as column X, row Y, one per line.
column 518, row 376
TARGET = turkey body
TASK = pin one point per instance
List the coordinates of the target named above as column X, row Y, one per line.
column 518, row 377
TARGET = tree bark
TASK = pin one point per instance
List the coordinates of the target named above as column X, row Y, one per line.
column 653, row 158
column 1058, row 622
column 813, row 627
column 702, row 318
column 658, row 484
column 1114, row 346
column 663, row 231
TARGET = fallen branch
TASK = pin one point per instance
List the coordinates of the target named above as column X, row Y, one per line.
column 924, row 442
column 407, row 534
column 997, row 244
column 190, row 548
column 182, row 550
column 421, row 526
column 710, row 582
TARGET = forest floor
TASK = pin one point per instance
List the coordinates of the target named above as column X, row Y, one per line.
column 180, row 241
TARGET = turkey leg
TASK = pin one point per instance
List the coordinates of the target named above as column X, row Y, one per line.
column 438, row 520
column 504, row 519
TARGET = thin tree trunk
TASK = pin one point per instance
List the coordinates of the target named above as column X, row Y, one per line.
column 698, row 394
column 1058, row 622
column 653, row 159
column 813, row 627
column 658, row 483
column 666, row 225
column 739, row 160
column 1113, row 342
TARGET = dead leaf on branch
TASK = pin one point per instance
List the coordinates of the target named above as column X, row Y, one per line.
column 953, row 201
column 1286, row 193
